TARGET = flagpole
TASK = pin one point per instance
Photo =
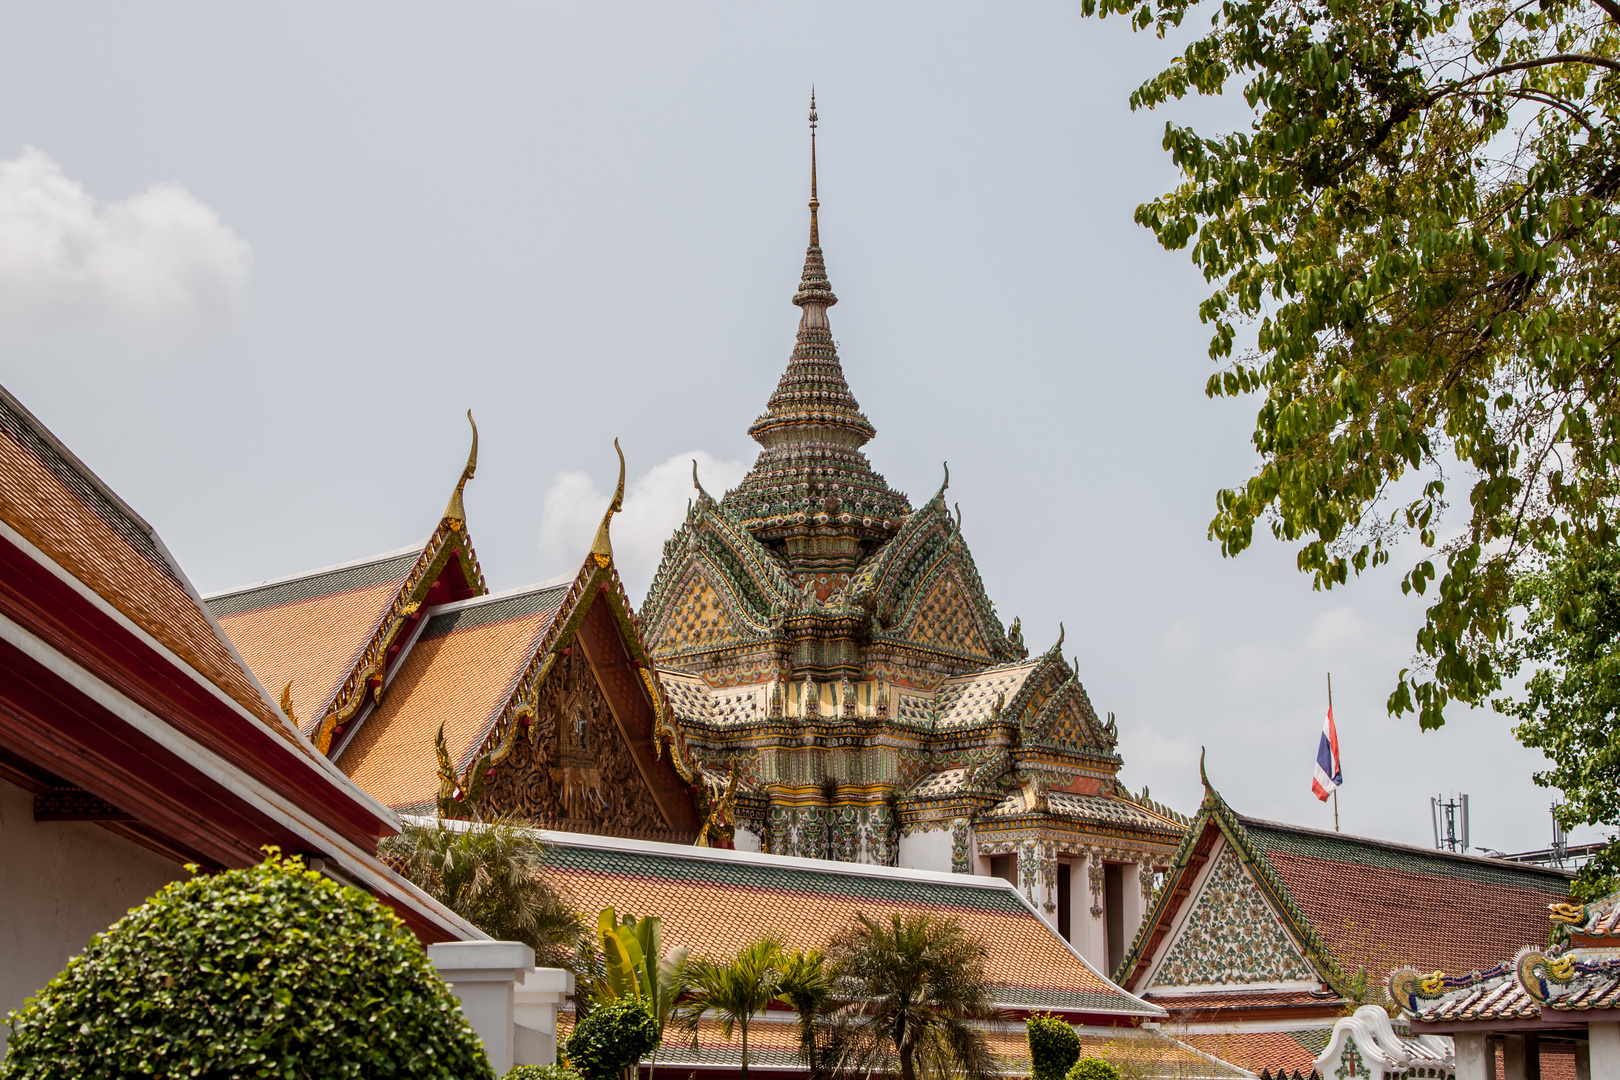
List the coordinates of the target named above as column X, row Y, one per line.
column 1335, row 789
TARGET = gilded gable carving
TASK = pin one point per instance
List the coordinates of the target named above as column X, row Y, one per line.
column 572, row 770
column 1232, row 936
column 944, row 619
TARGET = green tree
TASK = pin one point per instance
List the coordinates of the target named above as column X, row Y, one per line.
column 491, row 874
column 1572, row 695
column 1053, row 1046
column 807, row 985
column 736, row 990
column 916, row 985
column 634, row 965
column 611, row 1040
column 1420, row 225
column 272, row 971
column 1093, row 1068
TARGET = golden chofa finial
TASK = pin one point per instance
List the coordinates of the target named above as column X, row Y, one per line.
column 286, row 703
column 602, row 546
column 454, row 511
column 815, row 231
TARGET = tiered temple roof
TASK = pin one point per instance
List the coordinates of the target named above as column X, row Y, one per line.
column 434, row 696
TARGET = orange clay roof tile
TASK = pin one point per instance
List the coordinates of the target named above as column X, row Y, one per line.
column 315, row 642
column 460, row 672
column 58, row 506
column 713, row 904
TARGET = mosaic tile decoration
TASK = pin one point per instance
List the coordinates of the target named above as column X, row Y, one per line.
column 1232, row 936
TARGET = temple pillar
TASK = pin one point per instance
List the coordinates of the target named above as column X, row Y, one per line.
column 1133, row 903
column 1518, row 1061
column 1475, row 1056
column 1604, row 1048
column 1090, row 916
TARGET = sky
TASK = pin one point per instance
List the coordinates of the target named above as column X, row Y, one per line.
column 257, row 264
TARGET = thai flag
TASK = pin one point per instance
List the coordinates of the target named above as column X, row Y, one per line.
column 1328, row 773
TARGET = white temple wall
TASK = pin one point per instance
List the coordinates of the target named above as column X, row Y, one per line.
column 746, row 839
column 61, row 883
column 926, row 850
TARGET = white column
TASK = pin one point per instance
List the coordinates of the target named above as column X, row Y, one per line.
column 1605, row 1050
column 1474, row 1056
column 1090, row 924
column 483, row 975
column 1045, row 893
column 1133, row 907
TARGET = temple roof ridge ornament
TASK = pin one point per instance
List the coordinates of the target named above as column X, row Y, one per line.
column 454, row 510
column 602, row 546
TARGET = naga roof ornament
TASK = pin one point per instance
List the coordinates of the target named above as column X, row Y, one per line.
column 602, row 546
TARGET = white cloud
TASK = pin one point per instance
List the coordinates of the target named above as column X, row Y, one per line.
column 654, row 507
column 161, row 258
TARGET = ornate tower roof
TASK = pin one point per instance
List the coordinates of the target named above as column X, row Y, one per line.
column 811, row 476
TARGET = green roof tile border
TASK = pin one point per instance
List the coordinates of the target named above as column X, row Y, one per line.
column 394, row 566
column 479, row 611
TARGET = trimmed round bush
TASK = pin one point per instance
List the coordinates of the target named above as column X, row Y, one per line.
column 541, row 1072
column 1093, row 1068
column 273, row 971
column 612, row 1038
column 1053, row 1046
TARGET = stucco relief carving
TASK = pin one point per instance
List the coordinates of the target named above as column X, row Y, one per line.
column 1232, row 936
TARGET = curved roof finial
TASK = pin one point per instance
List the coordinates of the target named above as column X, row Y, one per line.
column 454, row 510
column 1202, row 775
column 702, row 494
column 602, row 545
column 946, row 482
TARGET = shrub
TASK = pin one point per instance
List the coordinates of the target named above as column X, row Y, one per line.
column 1093, row 1068
column 612, row 1038
column 1053, row 1046
column 272, row 971
column 541, row 1072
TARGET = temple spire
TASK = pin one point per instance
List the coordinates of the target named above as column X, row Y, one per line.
column 815, row 293
column 815, row 204
column 811, row 474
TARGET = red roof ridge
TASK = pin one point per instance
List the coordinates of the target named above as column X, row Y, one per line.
column 1410, row 849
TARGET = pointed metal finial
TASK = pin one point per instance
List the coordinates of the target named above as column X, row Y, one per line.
column 455, row 511
column 602, row 546
column 815, row 230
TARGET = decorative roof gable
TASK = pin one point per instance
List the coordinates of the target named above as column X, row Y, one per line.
column 1231, row 936
column 539, row 702
column 1354, row 904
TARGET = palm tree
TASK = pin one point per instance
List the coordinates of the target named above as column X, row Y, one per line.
column 915, row 985
column 490, row 874
column 807, row 985
column 736, row 989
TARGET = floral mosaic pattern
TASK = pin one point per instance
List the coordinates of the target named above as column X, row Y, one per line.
column 1232, row 936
